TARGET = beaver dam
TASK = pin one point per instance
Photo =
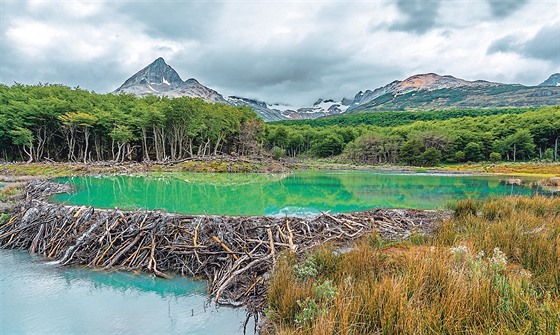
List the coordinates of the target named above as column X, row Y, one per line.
column 234, row 254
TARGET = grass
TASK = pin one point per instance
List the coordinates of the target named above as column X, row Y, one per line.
column 54, row 170
column 523, row 168
column 9, row 192
column 493, row 268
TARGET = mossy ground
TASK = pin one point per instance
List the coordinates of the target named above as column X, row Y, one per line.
column 518, row 169
column 9, row 171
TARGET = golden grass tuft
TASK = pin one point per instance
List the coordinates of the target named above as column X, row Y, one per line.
column 495, row 270
column 8, row 192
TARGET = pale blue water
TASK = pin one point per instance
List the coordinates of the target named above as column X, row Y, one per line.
column 41, row 298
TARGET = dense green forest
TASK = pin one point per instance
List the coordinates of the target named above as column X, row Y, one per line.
column 58, row 123
column 392, row 119
column 513, row 137
column 53, row 122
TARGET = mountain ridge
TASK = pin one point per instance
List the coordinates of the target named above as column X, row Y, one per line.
column 553, row 80
column 160, row 79
column 428, row 91
column 431, row 91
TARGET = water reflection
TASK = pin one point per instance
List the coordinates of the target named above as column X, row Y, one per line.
column 299, row 193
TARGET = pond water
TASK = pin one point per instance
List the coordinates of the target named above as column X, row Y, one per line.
column 40, row 298
column 301, row 193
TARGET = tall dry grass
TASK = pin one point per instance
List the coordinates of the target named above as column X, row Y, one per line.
column 494, row 268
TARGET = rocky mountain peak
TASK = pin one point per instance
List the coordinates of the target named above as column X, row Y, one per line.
column 553, row 80
column 430, row 81
column 157, row 73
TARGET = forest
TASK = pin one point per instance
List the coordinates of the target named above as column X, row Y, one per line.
column 53, row 122
column 57, row 123
column 517, row 136
column 392, row 119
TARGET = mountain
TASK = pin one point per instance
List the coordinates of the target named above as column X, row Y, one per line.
column 419, row 92
column 260, row 107
column 160, row 79
column 276, row 112
column 432, row 92
column 553, row 80
column 320, row 108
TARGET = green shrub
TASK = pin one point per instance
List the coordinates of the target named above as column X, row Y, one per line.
column 495, row 157
column 278, row 153
column 430, row 157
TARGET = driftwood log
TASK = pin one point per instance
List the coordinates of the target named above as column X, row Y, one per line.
column 235, row 254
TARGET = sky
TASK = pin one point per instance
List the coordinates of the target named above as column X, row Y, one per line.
column 288, row 52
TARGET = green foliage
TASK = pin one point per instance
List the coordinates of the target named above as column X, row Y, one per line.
column 328, row 145
column 325, row 291
column 121, row 134
column 59, row 123
column 78, row 119
column 278, row 153
column 306, row 270
column 309, row 311
column 393, row 119
column 411, row 152
column 373, row 149
column 515, row 134
column 4, row 217
column 430, row 157
column 473, row 152
column 21, row 136
column 460, row 156
column 496, row 157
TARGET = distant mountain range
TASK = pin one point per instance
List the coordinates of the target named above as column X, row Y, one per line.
column 419, row 92
column 160, row 79
column 434, row 92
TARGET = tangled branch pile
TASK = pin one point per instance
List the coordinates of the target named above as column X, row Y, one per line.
column 235, row 254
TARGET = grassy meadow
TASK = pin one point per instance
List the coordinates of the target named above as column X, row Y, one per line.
column 491, row 268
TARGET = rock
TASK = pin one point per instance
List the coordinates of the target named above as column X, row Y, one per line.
column 514, row 181
column 555, row 181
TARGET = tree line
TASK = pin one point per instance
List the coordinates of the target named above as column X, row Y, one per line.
column 517, row 136
column 54, row 122
column 393, row 119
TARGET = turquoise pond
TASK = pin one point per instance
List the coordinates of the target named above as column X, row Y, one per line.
column 292, row 194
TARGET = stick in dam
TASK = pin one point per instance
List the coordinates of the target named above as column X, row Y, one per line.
column 235, row 254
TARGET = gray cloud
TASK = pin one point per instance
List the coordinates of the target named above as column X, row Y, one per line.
column 420, row 15
column 503, row 8
column 545, row 45
column 174, row 19
column 289, row 52
column 275, row 69
column 505, row 44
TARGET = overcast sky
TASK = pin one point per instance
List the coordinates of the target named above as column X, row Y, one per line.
column 291, row 52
